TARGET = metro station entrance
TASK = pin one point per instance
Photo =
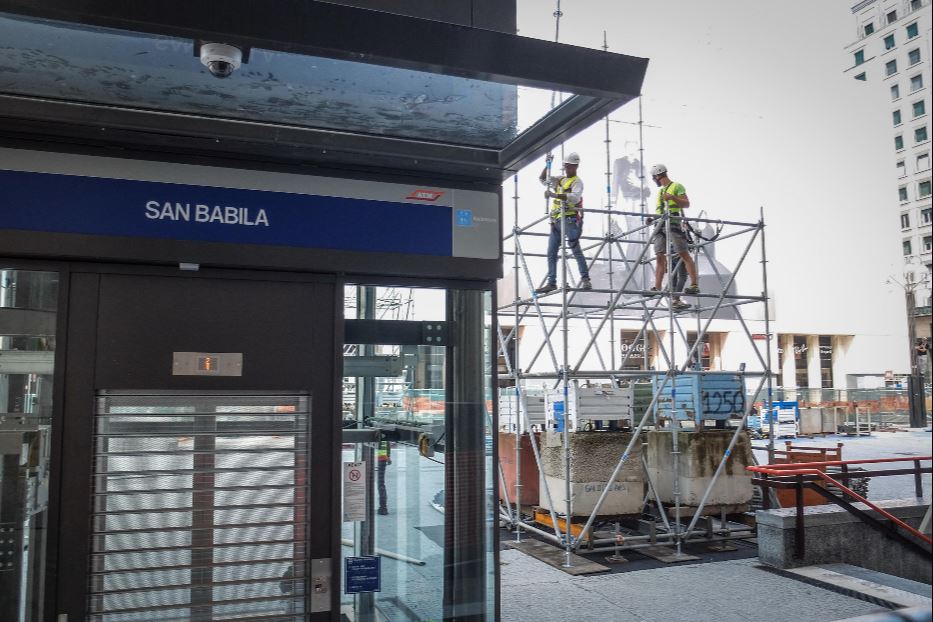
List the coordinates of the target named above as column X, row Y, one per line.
column 176, row 358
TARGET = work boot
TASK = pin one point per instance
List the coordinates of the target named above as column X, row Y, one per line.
column 679, row 305
column 586, row 283
column 382, row 511
column 546, row 288
column 692, row 289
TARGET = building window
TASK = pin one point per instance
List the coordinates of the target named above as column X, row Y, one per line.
column 923, row 162
column 859, row 57
column 926, row 216
column 861, row 77
column 891, row 17
column 902, row 196
column 920, row 108
column 889, row 42
column 890, row 67
column 916, row 83
column 895, row 92
column 912, row 30
column 913, row 56
column 899, row 144
column 923, row 189
column 901, row 169
column 905, row 245
column 915, row 4
column 800, row 361
column 896, row 117
column 868, row 28
column 905, row 221
column 920, row 134
column 928, row 243
column 780, row 354
column 826, row 361
column 633, row 349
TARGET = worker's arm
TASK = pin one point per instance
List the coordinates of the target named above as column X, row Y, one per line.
column 680, row 199
column 575, row 195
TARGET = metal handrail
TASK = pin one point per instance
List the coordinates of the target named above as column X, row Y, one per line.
column 808, row 468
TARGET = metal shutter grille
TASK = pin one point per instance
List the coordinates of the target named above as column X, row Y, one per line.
column 199, row 507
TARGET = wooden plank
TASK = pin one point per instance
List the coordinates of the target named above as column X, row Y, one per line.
column 554, row 556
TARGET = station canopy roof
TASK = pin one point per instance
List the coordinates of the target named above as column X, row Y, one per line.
column 321, row 84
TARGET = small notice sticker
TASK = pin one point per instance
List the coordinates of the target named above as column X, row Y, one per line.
column 354, row 492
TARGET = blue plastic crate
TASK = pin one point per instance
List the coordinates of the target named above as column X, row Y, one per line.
column 701, row 396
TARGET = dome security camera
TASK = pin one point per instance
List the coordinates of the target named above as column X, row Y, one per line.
column 221, row 59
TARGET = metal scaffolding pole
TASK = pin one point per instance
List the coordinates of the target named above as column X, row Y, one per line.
column 572, row 312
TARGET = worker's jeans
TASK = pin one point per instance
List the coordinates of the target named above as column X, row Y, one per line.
column 573, row 242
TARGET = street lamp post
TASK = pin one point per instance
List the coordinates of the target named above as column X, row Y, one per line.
column 918, row 415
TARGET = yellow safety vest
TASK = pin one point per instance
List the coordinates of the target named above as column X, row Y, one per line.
column 675, row 210
column 560, row 208
column 383, row 451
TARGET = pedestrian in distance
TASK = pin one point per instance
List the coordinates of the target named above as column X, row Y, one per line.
column 566, row 192
column 383, row 460
column 672, row 200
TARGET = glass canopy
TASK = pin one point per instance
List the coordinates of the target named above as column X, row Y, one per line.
column 320, row 84
column 65, row 61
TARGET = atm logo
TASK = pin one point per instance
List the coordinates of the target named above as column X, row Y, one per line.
column 425, row 195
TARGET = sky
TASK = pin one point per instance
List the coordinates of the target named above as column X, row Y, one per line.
column 748, row 105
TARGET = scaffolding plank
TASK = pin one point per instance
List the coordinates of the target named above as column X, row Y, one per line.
column 666, row 555
column 555, row 557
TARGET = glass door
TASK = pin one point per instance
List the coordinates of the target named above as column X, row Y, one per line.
column 28, row 318
column 426, row 511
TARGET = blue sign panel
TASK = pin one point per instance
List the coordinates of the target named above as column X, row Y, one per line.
column 362, row 574
column 145, row 209
column 464, row 218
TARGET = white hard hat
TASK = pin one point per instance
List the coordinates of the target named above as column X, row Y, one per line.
column 572, row 158
column 658, row 169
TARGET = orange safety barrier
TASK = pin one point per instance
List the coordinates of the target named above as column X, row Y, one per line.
column 804, row 454
column 813, row 468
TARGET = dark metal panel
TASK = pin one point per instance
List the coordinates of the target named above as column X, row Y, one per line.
column 173, row 252
column 216, row 134
column 465, row 571
column 343, row 32
column 489, row 14
column 142, row 321
column 396, row 332
column 29, row 135
column 74, row 461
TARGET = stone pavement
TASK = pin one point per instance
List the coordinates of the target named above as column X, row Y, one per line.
column 729, row 591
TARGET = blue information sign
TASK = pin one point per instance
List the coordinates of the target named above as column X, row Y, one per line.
column 362, row 574
column 157, row 210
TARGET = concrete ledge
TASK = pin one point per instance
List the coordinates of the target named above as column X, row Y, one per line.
column 835, row 536
column 815, row 515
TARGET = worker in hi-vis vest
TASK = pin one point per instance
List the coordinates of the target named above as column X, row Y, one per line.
column 383, row 459
column 672, row 200
column 567, row 210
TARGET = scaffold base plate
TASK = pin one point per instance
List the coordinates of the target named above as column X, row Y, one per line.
column 666, row 555
column 557, row 557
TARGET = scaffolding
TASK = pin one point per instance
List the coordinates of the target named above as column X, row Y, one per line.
column 574, row 324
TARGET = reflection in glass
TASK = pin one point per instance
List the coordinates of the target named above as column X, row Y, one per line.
column 72, row 62
column 28, row 308
column 405, row 517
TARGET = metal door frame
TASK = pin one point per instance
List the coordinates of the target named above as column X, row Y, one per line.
column 75, row 393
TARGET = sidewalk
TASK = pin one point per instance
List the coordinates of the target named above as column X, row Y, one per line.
column 729, row 591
